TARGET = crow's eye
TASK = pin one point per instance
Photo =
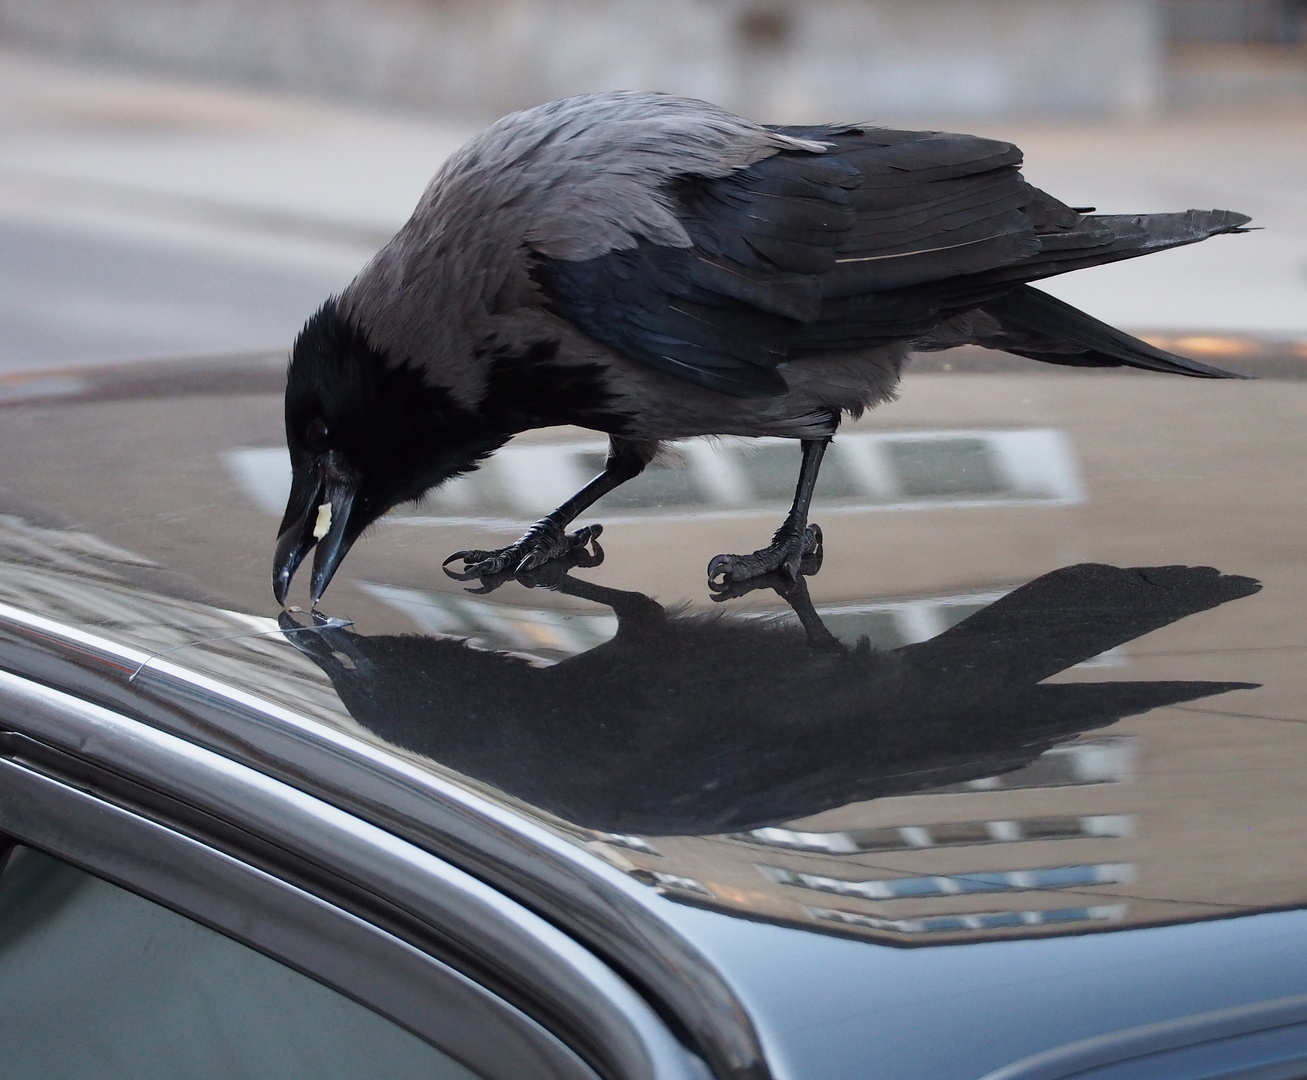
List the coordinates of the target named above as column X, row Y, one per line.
column 316, row 435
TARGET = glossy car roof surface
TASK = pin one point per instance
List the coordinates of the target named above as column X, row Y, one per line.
column 1019, row 765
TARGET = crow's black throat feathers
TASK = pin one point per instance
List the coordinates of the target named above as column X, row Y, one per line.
column 530, row 386
column 399, row 434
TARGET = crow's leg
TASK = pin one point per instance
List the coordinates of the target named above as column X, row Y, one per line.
column 548, row 538
column 792, row 541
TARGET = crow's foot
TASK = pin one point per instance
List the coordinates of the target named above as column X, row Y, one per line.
column 543, row 542
column 784, row 587
column 784, row 557
column 552, row 574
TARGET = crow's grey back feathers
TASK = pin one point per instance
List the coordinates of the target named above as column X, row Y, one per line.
column 573, row 179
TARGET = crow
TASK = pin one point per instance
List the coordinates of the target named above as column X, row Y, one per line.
column 657, row 268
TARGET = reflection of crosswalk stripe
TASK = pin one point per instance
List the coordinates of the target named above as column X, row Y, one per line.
column 263, row 473
column 942, row 835
column 863, row 470
column 542, row 633
column 984, row 920
column 989, row 881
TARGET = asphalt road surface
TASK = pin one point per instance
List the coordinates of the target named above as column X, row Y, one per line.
column 73, row 298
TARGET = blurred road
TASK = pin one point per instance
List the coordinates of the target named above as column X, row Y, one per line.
column 146, row 217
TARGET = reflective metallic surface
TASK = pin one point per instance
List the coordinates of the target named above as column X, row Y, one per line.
column 979, row 775
column 722, row 729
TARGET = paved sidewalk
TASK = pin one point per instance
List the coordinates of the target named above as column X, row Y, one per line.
column 265, row 202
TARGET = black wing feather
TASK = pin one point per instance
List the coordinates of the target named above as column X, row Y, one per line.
column 1032, row 323
column 881, row 239
column 647, row 303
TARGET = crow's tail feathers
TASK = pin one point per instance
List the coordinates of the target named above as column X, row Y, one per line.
column 1097, row 239
column 1033, row 324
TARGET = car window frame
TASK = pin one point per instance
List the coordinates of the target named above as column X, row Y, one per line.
column 98, row 979
column 618, row 919
column 366, row 964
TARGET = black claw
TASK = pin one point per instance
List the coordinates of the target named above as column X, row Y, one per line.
column 468, row 555
column 742, row 586
column 543, row 542
column 785, row 560
column 720, row 564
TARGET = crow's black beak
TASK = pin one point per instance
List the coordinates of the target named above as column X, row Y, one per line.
column 318, row 513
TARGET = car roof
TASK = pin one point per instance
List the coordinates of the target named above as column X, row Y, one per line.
column 1054, row 766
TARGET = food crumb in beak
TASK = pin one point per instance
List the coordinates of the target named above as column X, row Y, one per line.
column 323, row 525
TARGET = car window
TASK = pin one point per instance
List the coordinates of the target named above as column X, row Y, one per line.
column 96, row 981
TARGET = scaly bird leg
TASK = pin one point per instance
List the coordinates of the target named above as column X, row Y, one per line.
column 794, row 540
column 547, row 538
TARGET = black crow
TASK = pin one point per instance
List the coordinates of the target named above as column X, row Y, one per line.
column 656, row 268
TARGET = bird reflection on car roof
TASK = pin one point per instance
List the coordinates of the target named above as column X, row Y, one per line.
column 710, row 724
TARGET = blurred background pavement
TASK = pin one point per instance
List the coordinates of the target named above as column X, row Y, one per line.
column 192, row 178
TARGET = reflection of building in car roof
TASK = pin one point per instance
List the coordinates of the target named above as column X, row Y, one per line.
column 838, row 877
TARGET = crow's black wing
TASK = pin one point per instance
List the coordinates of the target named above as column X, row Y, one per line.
column 777, row 245
column 881, row 239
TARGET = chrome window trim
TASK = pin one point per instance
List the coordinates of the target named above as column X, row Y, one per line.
column 623, row 1035
column 612, row 914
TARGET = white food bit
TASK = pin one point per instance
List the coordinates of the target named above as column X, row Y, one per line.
column 323, row 524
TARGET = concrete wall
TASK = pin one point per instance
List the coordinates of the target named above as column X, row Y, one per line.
column 818, row 59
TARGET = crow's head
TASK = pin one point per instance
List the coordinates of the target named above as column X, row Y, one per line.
column 364, row 434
